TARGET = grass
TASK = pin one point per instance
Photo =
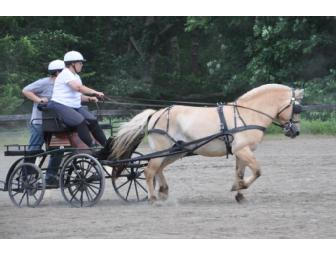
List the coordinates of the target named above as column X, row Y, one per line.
column 314, row 127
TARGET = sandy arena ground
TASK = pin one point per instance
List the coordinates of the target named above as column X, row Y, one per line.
column 294, row 198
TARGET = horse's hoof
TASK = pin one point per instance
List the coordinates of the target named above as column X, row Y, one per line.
column 152, row 199
column 238, row 186
column 240, row 198
column 234, row 187
column 163, row 196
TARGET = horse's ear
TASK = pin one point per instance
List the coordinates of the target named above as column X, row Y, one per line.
column 299, row 94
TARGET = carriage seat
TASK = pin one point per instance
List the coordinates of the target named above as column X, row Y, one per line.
column 50, row 121
column 56, row 133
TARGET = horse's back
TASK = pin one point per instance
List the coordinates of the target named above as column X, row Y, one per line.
column 188, row 124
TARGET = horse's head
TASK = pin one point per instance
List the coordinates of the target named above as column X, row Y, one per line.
column 289, row 115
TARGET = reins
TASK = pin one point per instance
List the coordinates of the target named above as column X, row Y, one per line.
column 224, row 133
column 113, row 100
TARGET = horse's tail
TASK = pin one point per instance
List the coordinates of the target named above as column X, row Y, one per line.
column 131, row 134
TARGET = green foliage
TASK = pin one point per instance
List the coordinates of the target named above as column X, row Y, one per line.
column 327, row 127
column 313, row 127
column 10, row 98
column 175, row 57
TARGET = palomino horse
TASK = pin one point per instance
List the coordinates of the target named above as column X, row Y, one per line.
column 245, row 120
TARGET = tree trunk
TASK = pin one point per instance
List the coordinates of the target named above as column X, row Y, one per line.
column 175, row 55
column 194, row 56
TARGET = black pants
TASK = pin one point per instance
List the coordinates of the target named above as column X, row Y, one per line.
column 82, row 120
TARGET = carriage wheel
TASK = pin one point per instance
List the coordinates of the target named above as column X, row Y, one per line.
column 26, row 185
column 82, row 181
column 130, row 184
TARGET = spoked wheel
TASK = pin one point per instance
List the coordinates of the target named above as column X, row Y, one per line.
column 82, row 181
column 26, row 185
column 130, row 185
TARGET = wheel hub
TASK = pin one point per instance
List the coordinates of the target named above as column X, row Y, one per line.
column 132, row 175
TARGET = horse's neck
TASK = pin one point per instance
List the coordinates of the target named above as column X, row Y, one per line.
column 266, row 104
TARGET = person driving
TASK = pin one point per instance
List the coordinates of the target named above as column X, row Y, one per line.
column 68, row 93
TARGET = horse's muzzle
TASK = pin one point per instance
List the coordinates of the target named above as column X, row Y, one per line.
column 291, row 130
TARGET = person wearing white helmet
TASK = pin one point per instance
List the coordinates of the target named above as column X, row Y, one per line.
column 40, row 91
column 68, row 93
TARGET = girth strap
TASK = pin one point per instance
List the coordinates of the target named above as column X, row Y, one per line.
column 227, row 137
column 224, row 130
column 223, row 125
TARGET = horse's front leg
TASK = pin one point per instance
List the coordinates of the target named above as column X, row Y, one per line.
column 239, row 179
column 246, row 158
column 239, row 175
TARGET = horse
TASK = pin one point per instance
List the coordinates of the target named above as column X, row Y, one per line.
column 244, row 120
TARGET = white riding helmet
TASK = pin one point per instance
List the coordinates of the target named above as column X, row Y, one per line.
column 56, row 66
column 73, row 56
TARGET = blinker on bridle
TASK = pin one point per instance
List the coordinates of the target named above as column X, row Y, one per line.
column 297, row 109
column 289, row 128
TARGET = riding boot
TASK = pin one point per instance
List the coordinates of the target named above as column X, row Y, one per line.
column 105, row 151
column 97, row 132
column 84, row 133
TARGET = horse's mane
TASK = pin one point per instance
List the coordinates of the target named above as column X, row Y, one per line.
column 262, row 90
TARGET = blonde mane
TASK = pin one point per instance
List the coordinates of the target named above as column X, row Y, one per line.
column 262, row 90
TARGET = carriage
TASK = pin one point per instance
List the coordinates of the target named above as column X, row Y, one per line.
column 81, row 175
column 174, row 132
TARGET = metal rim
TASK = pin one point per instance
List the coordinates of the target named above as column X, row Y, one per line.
column 130, row 185
column 26, row 185
column 82, row 181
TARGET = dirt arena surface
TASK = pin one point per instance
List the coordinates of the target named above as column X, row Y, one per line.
column 294, row 198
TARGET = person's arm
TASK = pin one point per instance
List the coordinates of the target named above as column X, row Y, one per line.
column 33, row 90
column 36, row 99
column 85, row 98
column 75, row 85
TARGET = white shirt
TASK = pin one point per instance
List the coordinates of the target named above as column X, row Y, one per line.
column 63, row 93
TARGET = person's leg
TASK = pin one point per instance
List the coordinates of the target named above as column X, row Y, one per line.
column 93, row 125
column 73, row 119
column 35, row 142
column 36, row 137
column 54, row 164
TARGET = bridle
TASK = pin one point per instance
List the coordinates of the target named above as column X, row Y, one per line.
column 297, row 108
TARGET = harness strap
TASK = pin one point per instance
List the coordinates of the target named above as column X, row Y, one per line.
column 223, row 125
column 248, row 127
column 161, row 132
column 224, row 130
column 227, row 133
column 238, row 113
column 165, row 110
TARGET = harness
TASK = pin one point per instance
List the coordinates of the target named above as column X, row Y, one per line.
column 228, row 133
column 225, row 134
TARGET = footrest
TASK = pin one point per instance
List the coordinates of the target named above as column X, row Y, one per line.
column 20, row 150
column 105, row 126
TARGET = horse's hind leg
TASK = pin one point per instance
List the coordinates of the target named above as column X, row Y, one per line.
column 153, row 168
column 163, row 190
